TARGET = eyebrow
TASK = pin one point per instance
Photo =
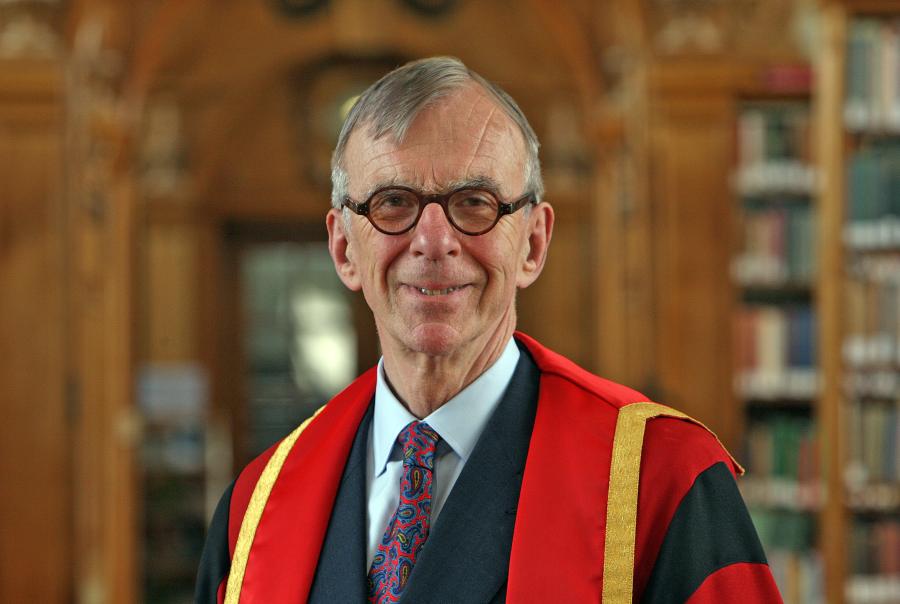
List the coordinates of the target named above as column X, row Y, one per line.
column 476, row 182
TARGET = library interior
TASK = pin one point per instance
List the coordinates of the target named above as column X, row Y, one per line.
column 726, row 181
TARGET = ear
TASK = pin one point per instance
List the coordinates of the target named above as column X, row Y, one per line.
column 340, row 250
column 540, row 230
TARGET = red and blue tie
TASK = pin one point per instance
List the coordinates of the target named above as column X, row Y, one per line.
column 408, row 527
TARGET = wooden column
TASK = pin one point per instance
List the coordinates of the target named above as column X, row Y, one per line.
column 100, row 326
column 829, row 128
column 35, row 543
column 105, row 428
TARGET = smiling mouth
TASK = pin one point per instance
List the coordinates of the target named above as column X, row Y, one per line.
column 438, row 292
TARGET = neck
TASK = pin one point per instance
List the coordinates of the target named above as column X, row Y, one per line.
column 424, row 382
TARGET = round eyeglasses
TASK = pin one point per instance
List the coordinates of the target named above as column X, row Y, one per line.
column 395, row 210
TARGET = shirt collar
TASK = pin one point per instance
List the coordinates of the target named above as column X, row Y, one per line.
column 460, row 421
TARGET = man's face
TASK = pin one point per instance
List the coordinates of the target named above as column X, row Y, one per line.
column 469, row 281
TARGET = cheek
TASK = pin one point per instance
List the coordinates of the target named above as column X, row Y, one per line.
column 505, row 254
column 381, row 265
column 375, row 253
column 501, row 271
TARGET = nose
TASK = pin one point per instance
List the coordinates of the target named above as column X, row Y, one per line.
column 434, row 237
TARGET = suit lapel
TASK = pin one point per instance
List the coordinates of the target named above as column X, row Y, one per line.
column 466, row 557
column 341, row 573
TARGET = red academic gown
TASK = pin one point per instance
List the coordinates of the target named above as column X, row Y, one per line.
column 690, row 521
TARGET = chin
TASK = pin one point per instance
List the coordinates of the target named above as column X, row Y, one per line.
column 437, row 339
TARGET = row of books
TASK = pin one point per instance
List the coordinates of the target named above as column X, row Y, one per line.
column 774, row 131
column 788, row 538
column 872, row 295
column 774, row 149
column 784, row 530
column 874, row 557
column 875, row 547
column 778, row 247
column 873, row 180
column 873, row 429
column 799, row 575
column 782, row 446
column 873, row 212
column 776, row 348
column 873, row 75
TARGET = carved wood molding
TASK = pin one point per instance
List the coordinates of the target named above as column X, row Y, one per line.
column 729, row 27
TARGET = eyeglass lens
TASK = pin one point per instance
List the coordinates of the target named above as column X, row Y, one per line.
column 472, row 210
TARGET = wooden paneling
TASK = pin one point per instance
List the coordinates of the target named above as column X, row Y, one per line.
column 622, row 264
column 692, row 245
column 35, row 543
column 169, row 279
column 557, row 308
column 623, row 283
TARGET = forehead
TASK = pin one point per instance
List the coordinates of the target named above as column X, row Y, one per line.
column 463, row 136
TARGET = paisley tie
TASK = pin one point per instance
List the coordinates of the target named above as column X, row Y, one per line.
column 408, row 527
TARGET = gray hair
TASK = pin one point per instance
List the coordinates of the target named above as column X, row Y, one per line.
column 390, row 105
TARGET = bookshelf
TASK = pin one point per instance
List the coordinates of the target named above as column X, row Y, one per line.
column 858, row 126
column 776, row 375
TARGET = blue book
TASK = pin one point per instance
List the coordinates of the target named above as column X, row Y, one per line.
column 801, row 337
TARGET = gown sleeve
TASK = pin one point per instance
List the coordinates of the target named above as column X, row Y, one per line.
column 711, row 552
column 695, row 540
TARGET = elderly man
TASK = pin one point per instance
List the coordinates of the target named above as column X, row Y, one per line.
column 472, row 464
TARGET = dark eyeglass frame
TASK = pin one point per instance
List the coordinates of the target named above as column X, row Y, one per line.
column 442, row 199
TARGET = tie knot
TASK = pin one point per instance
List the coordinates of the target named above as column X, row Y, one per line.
column 418, row 440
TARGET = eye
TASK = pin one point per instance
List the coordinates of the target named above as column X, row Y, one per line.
column 473, row 200
column 393, row 199
column 393, row 210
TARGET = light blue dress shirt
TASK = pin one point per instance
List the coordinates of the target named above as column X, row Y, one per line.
column 460, row 422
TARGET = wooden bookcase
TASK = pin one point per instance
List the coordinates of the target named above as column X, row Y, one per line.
column 858, row 355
